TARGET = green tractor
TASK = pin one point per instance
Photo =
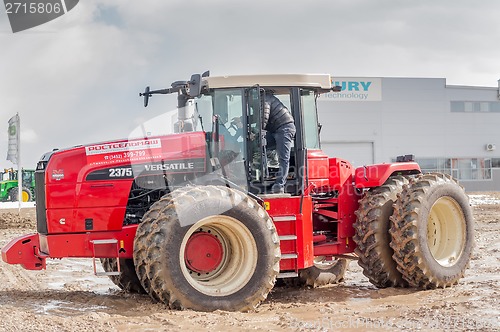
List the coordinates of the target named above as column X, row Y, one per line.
column 9, row 185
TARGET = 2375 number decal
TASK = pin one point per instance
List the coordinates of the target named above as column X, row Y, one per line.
column 120, row 172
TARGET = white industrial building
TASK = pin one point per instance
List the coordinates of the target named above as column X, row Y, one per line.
column 449, row 128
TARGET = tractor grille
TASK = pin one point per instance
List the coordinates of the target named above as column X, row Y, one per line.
column 41, row 216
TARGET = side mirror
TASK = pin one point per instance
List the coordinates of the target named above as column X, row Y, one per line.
column 146, row 96
column 195, row 85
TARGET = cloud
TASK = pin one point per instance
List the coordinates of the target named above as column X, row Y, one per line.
column 28, row 135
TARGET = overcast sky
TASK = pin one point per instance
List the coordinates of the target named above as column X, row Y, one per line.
column 75, row 80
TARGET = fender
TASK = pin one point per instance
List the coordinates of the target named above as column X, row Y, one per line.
column 375, row 175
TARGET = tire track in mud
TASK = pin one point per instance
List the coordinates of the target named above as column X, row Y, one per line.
column 17, row 278
column 73, row 303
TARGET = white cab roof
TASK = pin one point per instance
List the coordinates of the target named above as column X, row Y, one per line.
column 321, row 81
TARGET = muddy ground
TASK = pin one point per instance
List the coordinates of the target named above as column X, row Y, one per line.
column 68, row 297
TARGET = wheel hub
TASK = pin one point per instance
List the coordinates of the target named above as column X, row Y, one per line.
column 446, row 231
column 204, row 252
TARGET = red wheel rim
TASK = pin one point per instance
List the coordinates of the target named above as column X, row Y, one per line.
column 203, row 252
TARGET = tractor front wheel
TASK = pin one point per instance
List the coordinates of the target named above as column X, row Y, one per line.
column 432, row 232
column 210, row 248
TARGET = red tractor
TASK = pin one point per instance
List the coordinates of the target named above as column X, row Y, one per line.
column 189, row 217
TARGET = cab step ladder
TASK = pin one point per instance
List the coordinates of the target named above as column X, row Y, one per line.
column 107, row 245
column 292, row 256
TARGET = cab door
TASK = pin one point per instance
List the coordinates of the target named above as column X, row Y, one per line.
column 316, row 162
column 255, row 147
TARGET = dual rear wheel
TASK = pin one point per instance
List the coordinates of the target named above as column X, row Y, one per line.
column 415, row 232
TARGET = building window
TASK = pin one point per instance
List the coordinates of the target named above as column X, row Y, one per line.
column 495, row 162
column 475, row 106
column 460, row 168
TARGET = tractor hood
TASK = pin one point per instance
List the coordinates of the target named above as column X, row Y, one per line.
column 174, row 153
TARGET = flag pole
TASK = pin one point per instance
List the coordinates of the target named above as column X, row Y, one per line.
column 14, row 154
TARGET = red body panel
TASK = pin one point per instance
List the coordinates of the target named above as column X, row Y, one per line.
column 347, row 200
column 317, row 168
column 376, row 175
column 293, row 216
column 80, row 245
column 32, row 250
column 341, row 174
column 24, row 250
column 73, row 165
column 71, row 198
column 73, row 220
column 346, row 203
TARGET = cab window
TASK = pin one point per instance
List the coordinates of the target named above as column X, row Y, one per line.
column 308, row 102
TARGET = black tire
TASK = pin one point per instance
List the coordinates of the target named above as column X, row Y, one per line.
column 26, row 194
column 372, row 234
column 141, row 241
column 13, row 194
column 323, row 272
column 127, row 280
column 432, row 232
column 141, row 245
column 236, row 276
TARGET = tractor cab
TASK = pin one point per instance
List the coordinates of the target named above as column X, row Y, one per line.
column 9, row 185
column 28, row 178
column 230, row 110
column 9, row 174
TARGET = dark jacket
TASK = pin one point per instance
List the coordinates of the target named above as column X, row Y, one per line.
column 275, row 113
